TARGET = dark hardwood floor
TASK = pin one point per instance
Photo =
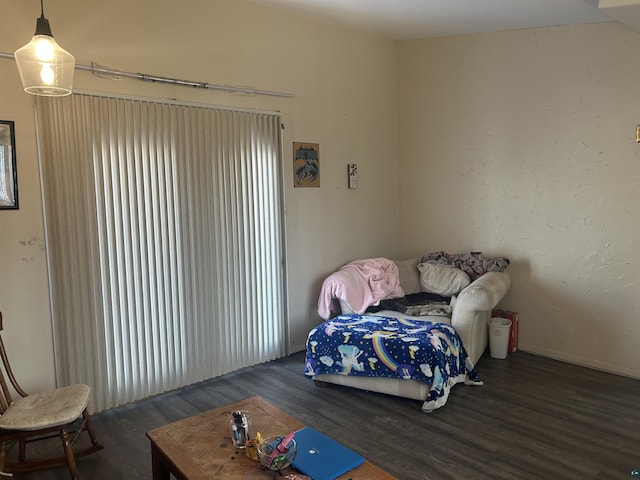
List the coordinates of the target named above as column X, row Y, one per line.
column 535, row 418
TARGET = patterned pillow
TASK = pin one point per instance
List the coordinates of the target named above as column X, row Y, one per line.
column 472, row 263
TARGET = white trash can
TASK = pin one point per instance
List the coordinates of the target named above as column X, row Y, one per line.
column 499, row 337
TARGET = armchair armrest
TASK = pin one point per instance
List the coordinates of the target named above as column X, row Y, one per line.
column 472, row 310
column 485, row 292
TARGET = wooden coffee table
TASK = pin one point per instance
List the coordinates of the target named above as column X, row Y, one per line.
column 200, row 447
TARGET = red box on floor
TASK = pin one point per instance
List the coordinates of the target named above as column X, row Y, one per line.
column 513, row 331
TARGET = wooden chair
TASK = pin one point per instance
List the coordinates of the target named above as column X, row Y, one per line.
column 61, row 412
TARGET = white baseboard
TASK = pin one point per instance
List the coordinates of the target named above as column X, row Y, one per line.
column 583, row 362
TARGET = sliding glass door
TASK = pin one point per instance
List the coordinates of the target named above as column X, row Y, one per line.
column 164, row 241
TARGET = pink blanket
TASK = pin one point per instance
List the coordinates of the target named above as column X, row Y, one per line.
column 360, row 284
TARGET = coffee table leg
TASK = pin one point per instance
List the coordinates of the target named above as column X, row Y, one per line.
column 158, row 464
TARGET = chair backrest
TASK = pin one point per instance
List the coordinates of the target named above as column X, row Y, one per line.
column 6, row 373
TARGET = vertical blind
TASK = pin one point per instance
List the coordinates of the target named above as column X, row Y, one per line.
column 164, row 242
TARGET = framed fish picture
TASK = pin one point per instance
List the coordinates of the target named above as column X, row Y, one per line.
column 306, row 164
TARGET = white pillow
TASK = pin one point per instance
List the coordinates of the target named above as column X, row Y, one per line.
column 441, row 279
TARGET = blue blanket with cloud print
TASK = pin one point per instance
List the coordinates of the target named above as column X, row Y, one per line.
column 377, row 346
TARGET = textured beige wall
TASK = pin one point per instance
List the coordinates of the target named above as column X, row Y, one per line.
column 345, row 99
column 24, row 296
column 523, row 144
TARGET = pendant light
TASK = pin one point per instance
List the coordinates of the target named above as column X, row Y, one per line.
column 45, row 67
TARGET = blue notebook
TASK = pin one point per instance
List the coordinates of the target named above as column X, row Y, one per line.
column 322, row 458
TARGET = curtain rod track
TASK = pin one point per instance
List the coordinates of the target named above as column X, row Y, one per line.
column 96, row 69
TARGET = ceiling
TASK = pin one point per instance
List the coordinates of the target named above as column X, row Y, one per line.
column 412, row 19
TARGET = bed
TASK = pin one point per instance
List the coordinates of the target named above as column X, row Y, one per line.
column 381, row 347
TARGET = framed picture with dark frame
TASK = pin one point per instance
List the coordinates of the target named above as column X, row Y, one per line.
column 8, row 172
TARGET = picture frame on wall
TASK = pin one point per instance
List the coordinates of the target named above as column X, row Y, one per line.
column 306, row 164
column 8, row 172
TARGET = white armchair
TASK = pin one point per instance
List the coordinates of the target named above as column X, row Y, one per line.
column 471, row 308
column 470, row 313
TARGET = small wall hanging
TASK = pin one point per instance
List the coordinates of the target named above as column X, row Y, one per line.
column 306, row 164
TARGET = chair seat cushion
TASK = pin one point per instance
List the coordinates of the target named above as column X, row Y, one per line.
column 46, row 409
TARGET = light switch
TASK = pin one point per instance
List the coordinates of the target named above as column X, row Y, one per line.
column 352, row 169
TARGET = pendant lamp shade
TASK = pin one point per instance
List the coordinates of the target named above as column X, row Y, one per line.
column 45, row 67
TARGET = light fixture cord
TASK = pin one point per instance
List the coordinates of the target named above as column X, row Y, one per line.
column 42, row 24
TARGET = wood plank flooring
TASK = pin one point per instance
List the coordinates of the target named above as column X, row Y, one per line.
column 535, row 418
